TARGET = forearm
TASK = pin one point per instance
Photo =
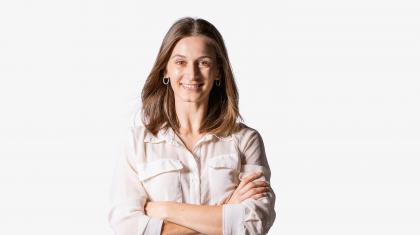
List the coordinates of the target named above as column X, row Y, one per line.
column 202, row 218
column 169, row 228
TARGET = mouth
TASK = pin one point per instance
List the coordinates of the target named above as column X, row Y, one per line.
column 191, row 86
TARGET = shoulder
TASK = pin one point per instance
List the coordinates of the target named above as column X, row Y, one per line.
column 245, row 131
column 251, row 146
column 246, row 135
column 136, row 133
column 135, row 144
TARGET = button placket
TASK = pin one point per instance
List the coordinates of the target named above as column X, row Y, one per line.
column 195, row 181
column 194, row 178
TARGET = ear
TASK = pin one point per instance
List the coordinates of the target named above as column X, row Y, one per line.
column 218, row 74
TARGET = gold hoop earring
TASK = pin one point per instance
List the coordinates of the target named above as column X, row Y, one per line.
column 218, row 82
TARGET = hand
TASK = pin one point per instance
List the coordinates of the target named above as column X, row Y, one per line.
column 155, row 209
column 249, row 188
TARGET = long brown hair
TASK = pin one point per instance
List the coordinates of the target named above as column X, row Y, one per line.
column 158, row 110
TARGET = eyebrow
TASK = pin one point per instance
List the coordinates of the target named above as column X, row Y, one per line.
column 201, row 57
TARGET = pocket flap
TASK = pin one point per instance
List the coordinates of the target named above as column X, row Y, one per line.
column 156, row 167
column 223, row 161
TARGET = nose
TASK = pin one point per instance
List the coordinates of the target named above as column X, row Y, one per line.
column 193, row 71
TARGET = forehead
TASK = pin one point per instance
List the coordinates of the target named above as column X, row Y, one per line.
column 193, row 46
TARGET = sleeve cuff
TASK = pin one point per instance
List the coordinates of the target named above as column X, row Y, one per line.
column 233, row 219
column 154, row 227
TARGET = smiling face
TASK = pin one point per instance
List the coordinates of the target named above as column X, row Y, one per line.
column 192, row 69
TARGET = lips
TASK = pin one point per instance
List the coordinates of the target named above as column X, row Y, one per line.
column 192, row 86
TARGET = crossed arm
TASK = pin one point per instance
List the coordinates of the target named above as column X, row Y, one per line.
column 182, row 218
column 169, row 228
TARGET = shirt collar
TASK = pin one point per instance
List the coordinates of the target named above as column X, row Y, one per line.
column 169, row 136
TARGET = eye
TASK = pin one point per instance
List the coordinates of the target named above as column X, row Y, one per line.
column 205, row 63
column 179, row 62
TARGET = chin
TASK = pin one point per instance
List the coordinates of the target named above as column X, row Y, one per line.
column 192, row 99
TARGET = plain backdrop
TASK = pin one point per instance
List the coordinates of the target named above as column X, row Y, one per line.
column 332, row 86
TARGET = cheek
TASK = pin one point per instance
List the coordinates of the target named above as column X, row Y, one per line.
column 212, row 75
column 174, row 85
column 173, row 71
column 176, row 72
column 175, row 76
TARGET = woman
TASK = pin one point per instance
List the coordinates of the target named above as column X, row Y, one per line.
column 192, row 168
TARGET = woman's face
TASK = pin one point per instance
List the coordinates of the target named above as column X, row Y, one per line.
column 192, row 69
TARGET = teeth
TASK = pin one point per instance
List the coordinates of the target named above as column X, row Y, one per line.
column 191, row 85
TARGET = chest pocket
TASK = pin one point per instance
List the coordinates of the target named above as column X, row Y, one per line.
column 223, row 171
column 162, row 179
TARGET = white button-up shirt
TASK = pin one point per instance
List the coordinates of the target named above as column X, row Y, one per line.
column 161, row 168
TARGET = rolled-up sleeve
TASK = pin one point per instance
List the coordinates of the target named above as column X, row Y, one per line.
column 128, row 197
column 251, row 216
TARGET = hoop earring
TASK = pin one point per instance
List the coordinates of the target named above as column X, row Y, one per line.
column 166, row 80
column 218, row 82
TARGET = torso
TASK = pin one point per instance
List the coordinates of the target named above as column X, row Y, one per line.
column 180, row 169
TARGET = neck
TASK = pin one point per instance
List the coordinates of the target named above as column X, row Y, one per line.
column 190, row 116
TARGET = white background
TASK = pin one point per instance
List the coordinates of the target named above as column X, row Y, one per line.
column 332, row 86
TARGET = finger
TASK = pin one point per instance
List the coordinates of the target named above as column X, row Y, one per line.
column 237, row 194
column 253, row 184
column 249, row 178
column 259, row 195
column 253, row 192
